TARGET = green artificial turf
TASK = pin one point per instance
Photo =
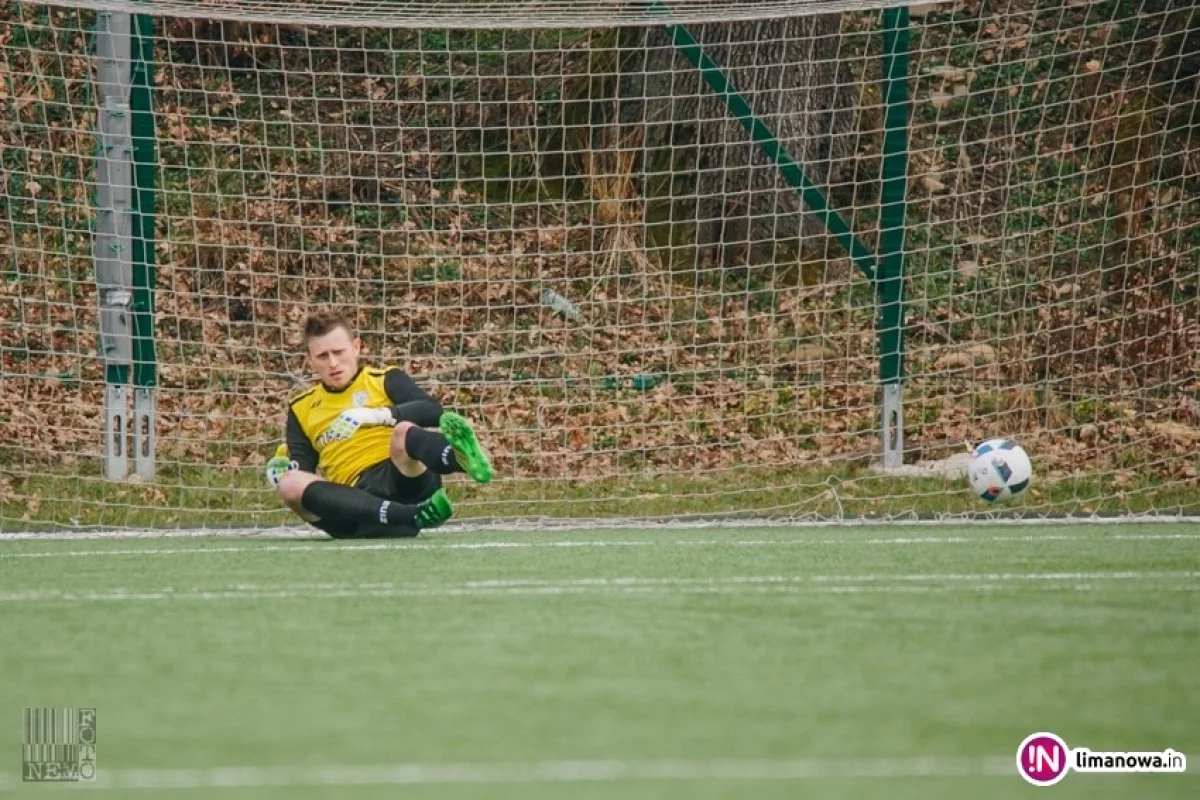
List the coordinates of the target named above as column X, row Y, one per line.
column 899, row 661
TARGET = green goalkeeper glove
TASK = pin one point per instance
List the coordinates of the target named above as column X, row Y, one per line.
column 278, row 466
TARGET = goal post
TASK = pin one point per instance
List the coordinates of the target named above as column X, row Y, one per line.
column 123, row 243
column 678, row 259
column 145, row 261
column 885, row 269
column 893, row 193
column 113, row 239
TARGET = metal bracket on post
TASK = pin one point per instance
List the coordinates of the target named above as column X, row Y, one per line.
column 893, row 426
column 117, row 350
column 143, row 432
column 116, row 437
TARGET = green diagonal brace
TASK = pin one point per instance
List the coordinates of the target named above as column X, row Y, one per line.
column 762, row 135
column 144, row 260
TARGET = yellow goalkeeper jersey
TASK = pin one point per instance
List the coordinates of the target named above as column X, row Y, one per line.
column 313, row 411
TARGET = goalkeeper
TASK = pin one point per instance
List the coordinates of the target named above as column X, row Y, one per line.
column 366, row 430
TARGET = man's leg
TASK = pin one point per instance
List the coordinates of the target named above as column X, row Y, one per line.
column 409, row 465
column 367, row 530
column 316, row 499
column 296, row 482
column 339, row 530
column 389, row 481
column 454, row 448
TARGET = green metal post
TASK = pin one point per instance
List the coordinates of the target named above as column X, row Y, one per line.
column 890, row 284
column 145, row 372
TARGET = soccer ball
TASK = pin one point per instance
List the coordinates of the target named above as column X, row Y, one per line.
column 999, row 470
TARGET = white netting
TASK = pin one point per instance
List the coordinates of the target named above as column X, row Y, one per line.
column 481, row 14
column 563, row 232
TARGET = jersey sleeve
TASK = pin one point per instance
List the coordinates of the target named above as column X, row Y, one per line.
column 300, row 449
column 410, row 403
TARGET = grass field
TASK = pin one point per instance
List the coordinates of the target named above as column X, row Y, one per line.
column 906, row 661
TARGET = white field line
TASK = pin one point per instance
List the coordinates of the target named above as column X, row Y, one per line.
column 332, row 546
column 752, row 584
column 542, row 772
column 623, row 524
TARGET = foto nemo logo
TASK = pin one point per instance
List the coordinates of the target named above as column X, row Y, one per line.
column 1042, row 759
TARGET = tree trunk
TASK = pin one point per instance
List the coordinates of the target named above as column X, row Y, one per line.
column 703, row 174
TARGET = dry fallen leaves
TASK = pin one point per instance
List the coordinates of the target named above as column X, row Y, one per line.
column 292, row 236
column 933, row 184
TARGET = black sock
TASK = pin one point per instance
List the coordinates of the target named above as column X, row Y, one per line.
column 373, row 530
column 366, row 530
column 431, row 449
column 332, row 501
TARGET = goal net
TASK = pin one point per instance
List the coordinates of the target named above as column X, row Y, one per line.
column 677, row 259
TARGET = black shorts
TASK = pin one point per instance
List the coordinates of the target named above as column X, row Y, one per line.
column 385, row 482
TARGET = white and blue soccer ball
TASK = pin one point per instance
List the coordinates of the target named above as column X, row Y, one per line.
column 1000, row 470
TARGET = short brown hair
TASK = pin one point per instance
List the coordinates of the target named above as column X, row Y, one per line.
column 320, row 323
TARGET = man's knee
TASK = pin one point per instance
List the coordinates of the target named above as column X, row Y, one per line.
column 292, row 486
column 409, row 467
column 400, row 439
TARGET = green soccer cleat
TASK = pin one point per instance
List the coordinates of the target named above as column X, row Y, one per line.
column 470, row 454
column 433, row 512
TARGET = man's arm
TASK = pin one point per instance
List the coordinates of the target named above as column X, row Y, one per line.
column 300, row 449
column 410, row 402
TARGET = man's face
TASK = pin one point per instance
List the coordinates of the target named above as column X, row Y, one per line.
column 334, row 357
